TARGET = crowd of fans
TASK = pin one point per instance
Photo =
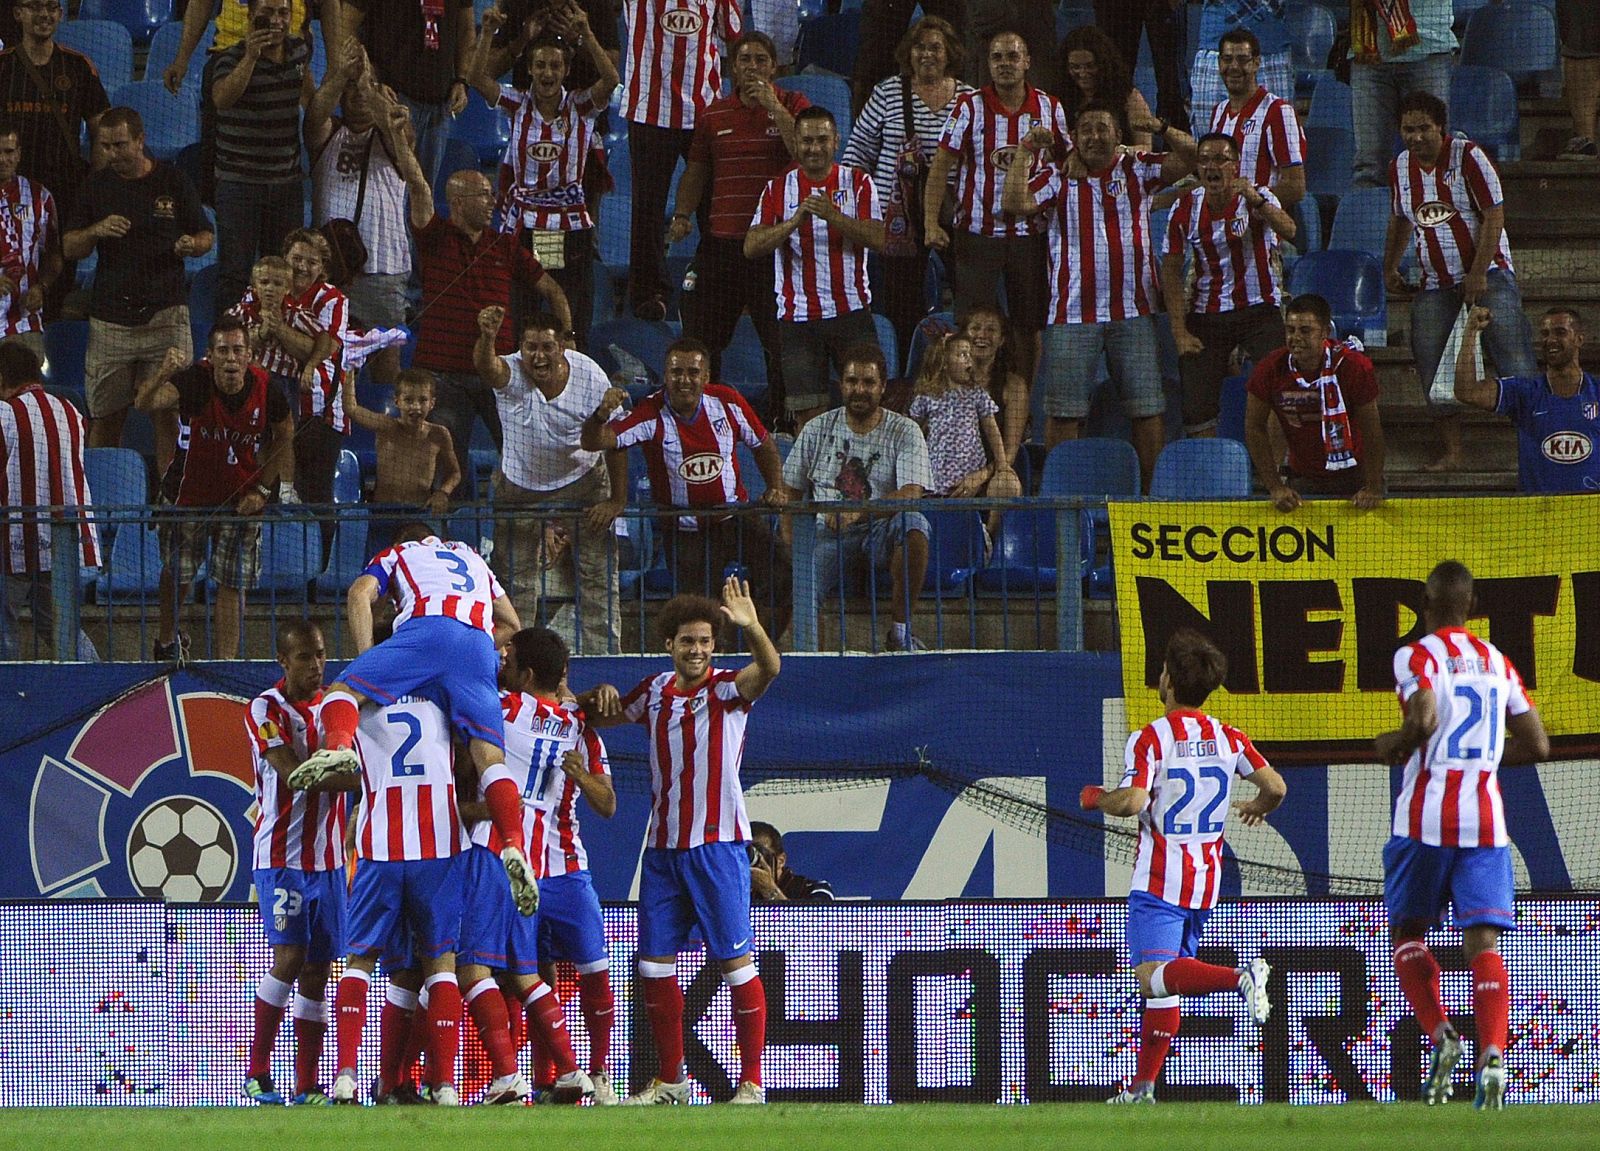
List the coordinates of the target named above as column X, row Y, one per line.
column 1078, row 232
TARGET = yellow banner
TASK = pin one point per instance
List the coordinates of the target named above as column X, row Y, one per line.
column 1310, row 606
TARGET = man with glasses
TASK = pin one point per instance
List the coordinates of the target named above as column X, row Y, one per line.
column 1271, row 145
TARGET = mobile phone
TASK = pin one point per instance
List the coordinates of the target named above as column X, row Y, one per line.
column 263, row 21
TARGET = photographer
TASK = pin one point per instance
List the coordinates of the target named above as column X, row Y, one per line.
column 771, row 881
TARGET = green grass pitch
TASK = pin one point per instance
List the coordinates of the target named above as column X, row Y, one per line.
column 802, row 1127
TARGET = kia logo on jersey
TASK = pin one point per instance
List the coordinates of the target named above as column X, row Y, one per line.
column 1001, row 158
column 1434, row 213
column 1567, row 447
column 701, row 468
column 545, row 152
column 683, row 22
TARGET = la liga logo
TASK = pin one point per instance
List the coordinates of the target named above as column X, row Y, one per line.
column 153, row 798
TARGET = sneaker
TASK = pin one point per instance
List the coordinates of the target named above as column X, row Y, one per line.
column 1253, row 986
column 605, row 1095
column 344, row 1088
column 405, row 1095
column 175, row 652
column 524, row 888
column 1436, row 1088
column 444, row 1095
column 261, row 1089
column 513, row 1088
column 316, row 1097
column 659, row 1092
column 323, row 765
column 1491, row 1094
column 749, row 1092
column 287, row 496
column 1135, row 1093
column 573, row 1087
column 1579, row 148
column 896, row 641
column 651, row 308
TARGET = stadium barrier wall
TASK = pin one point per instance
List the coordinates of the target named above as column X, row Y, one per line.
column 145, row 1003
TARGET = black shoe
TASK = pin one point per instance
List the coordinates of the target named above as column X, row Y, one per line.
column 405, row 1095
column 175, row 652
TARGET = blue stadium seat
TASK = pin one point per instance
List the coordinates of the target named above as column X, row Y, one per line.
column 1520, row 38
column 644, row 340
column 171, row 123
column 1202, row 470
column 825, row 91
column 140, row 17
column 888, row 341
column 133, row 572
column 830, row 42
column 1362, row 221
column 928, row 328
column 458, row 156
column 1483, row 107
column 1024, row 557
column 1331, row 103
column 65, row 344
column 1330, row 159
column 203, row 303
column 291, row 557
column 1311, row 30
column 616, row 214
column 1230, row 414
column 117, row 479
column 347, row 479
column 955, row 550
column 744, row 360
column 106, row 42
column 164, row 50
column 1092, row 467
column 348, row 554
column 486, row 130
column 1308, row 225
column 1351, row 282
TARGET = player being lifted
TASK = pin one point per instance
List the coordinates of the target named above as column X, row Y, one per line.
column 1177, row 778
column 298, row 862
column 695, row 869
column 450, row 613
column 1465, row 709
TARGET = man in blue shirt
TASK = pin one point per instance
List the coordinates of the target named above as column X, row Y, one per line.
column 1557, row 415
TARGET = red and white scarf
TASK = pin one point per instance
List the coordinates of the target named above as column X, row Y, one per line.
column 1337, row 449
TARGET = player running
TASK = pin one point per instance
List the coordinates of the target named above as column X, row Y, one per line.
column 298, row 862
column 1465, row 708
column 450, row 611
column 1178, row 776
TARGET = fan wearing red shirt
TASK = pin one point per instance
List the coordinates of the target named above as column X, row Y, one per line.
column 1325, row 396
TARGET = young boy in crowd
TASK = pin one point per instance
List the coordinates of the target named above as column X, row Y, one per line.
column 417, row 468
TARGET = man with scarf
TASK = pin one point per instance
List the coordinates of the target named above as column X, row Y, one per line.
column 1396, row 47
column 1325, row 395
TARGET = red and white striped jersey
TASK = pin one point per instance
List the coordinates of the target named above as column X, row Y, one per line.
column 1268, row 134
column 673, row 57
column 1445, row 205
column 41, row 446
column 275, row 358
column 692, row 463
column 408, row 784
column 1102, row 256
column 437, row 577
column 541, row 173
column 28, row 224
column 984, row 137
column 1450, row 796
column 1187, row 761
column 816, row 274
column 303, row 829
column 696, row 746
column 323, row 308
column 1231, row 249
column 539, row 733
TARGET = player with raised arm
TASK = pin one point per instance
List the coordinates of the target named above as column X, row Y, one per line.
column 1178, row 775
column 450, row 614
column 298, row 867
column 695, row 867
column 1465, row 708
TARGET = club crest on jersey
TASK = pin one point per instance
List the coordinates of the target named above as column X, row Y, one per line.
column 1238, row 226
column 1116, row 188
column 1434, row 213
column 1567, row 447
column 1591, row 411
column 840, row 198
column 545, row 152
column 166, row 208
column 683, row 22
column 701, row 468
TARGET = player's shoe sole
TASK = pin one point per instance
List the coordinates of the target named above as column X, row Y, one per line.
column 749, row 1093
column 1491, row 1094
column 1436, row 1088
column 659, row 1094
column 573, row 1087
column 260, row 1089
column 444, row 1095
column 512, row 1089
column 344, row 1090
column 524, row 888
column 323, row 765
column 605, row 1095
column 1144, row 1094
column 1253, row 986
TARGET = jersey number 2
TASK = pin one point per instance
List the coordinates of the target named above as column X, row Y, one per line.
column 1455, row 747
column 1209, row 822
column 399, row 766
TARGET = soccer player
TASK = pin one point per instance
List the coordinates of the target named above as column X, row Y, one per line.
column 1465, row 709
column 448, row 607
column 695, row 868
column 1179, row 774
column 298, row 862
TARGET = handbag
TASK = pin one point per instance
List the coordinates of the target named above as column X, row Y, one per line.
column 902, row 213
column 347, row 250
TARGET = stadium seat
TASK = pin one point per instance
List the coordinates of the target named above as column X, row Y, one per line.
column 1311, row 29
column 171, row 123
column 347, row 479
column 65, row 344
column 1331, row 104
column 164, row 50
column 1518, row 37
column 825, row 91
column 1024, row 557
column 744, row 360
column 1202, row 469
column 1307, row 225
column 291, row 556
column 348, row 554
column 1092, row 467
column 1362, row 221
column 203, row 299
column 117, row 479
column 484, row 129
column 929, row 327
column 955, row 550
column 140, row 17
column 888, row 341
column 1352, row 283
column 1330, row 159
column 1230, row 414
column 830, row 42
column 106, row 42
column 133, row 572
column 1483, row 107
column 616, row 215
column 644, row 342
column 458, row 156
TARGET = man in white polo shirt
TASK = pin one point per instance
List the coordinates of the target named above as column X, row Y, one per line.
column 543, row 394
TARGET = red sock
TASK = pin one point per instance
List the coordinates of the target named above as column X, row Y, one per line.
column 1418, row 972
column 416, row 1043
column 444, row 1026
column 1155, row 1038
column 663, row 1003
column 272, row 996
column 394, row 1029
column 599, row 1010
column 352, row 1006
column 310, row 1026
column 339, row 718
column 516, row 1022
column 547, row 1019
column 1491, row 1001
column 505, row 811
column 543, row 1069
column 750, row 1025
column 489, row 1014
column 1191, row 977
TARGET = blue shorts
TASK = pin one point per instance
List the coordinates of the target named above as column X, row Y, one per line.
column 1158, row 931
column 1418, row 880
column 493, row 933
column 570, row 923
column 436, row 656
column 707, row 885
column 303, row 909
column 419, row 900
